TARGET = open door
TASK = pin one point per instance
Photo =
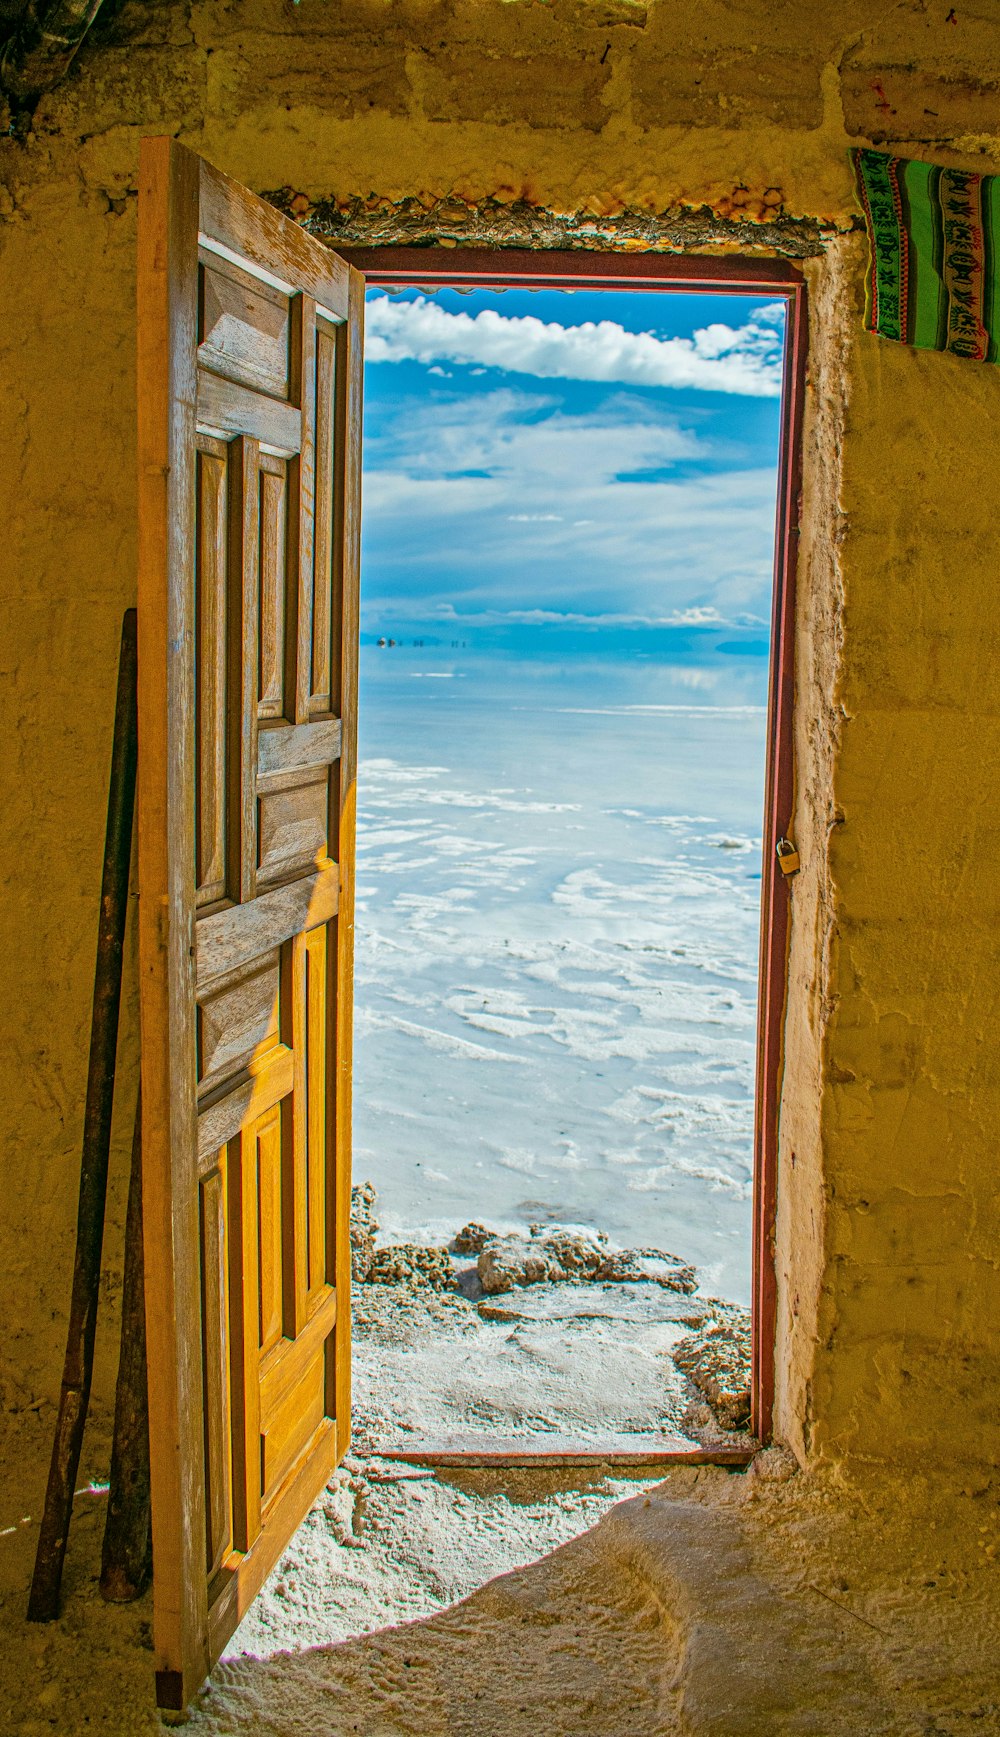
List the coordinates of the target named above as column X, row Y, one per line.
column 249, row 390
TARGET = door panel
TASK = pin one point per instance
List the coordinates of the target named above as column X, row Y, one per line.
column 250, row 399
column 242, row 327
column 210, row 666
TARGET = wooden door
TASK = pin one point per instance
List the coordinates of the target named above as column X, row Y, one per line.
column 249, row 394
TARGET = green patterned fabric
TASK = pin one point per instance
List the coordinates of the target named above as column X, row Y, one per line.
column 935, row 240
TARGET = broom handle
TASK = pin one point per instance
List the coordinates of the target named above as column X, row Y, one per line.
column 43, row 1605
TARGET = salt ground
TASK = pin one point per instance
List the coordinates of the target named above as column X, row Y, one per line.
column 711, row 1605
column 764, row 1604
column 418, row 1603
column 388, row 1543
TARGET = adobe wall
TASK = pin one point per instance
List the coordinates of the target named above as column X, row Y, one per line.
column 610, row 122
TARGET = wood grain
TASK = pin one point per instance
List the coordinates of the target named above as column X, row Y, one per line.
column 314, row 990
column 433, row 268
column 235, row 936
column 242, row 327
column 238, row 1020
column 296, row 748
column 273, row 580
column 225, row 409
column 300, row 597
column 555, row 1450
column 167, row 343
column 234, row 1590
column 267, row 1142
column 295, row 1204
column 286, row 1371
column 244, row 628
column 320, row 690
column 215, row 1334
column 267, row 1080
column 244, row 1331
column 211, row 588
column 291, row 1429
column 292, row 826
column 262, row 239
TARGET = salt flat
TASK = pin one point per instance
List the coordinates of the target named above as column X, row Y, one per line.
column 558, row 910
column 387, row 1543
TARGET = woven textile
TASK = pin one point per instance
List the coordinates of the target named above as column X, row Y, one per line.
column 935, row 242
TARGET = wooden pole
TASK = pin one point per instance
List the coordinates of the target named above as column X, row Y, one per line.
column 126, row 1558
column 43, row 1604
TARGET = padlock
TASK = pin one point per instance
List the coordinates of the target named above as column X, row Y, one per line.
column 788, row 857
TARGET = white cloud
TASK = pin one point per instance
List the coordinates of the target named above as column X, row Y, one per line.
column 493, row 617
column 701, row 615
column 505, row 503
column 745, row 360
column 526, row 437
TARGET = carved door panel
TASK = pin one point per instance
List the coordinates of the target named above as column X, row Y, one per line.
column 249, row 481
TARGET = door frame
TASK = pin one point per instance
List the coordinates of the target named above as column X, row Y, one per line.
column 434, row 268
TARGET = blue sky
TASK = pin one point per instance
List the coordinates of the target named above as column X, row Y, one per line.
column 594, row 466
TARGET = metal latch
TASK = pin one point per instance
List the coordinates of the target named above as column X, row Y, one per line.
column 788, row 857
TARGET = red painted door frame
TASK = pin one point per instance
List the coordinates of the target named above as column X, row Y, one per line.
column 433, row 268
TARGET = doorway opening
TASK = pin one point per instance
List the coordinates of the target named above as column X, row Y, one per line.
column 575, row 687
column 597, row 493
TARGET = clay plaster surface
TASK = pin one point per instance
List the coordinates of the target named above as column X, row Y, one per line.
column 627, row 120
column 889, row 1162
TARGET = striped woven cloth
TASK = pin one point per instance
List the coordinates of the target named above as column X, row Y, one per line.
column 933, row 278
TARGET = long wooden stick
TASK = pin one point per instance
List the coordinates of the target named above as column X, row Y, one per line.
column 43, row 1605
column 126, row 1557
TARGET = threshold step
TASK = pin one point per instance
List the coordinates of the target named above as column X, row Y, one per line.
column 561, row 1450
